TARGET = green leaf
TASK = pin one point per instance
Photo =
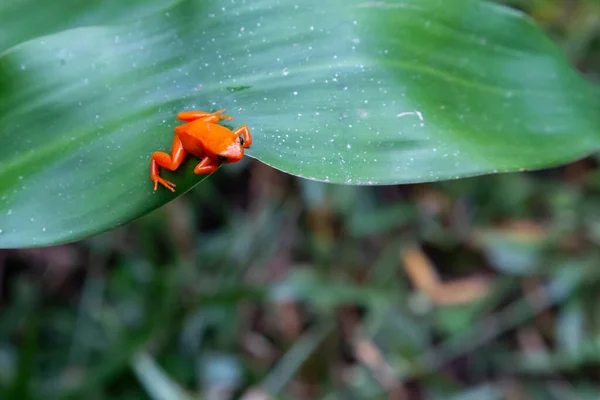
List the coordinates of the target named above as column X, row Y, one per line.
column 343, row 91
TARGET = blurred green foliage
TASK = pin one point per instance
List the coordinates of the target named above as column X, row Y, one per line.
column 356, row 93
column 260, row 284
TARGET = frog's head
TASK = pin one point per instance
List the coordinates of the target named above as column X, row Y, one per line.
column 233, row 153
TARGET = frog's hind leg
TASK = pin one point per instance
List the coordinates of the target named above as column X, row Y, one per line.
column 206, row 166
column 203, row 115
column 171, row 162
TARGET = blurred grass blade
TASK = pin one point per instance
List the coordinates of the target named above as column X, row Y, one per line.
column 284, row 371
column 158, row 385
column 484, row 392
column 570, row 326
column 344, row 91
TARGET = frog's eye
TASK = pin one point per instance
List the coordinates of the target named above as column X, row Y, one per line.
column 221, row 158
column 242, row 140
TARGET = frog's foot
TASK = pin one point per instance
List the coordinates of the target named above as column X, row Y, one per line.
column 222, row 116
column 213, row 117
column 171, row 162
column 169, row 185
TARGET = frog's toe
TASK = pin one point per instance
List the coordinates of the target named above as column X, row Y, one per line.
column 165, row 183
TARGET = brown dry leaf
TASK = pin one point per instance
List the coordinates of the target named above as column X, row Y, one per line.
column 522, row 230
column 419, row 269
column 255, row 394
column 367, row 353
column 288, row 319
column 425, row 278
column 461, row 291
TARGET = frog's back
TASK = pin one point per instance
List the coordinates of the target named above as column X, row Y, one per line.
column 201, row 138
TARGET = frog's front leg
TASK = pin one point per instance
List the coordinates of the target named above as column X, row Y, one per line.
column 245, row 137
column 171, row 162
column 206, row 166
column 203, row 115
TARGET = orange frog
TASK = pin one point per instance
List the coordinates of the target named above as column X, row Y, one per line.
column 203, row 138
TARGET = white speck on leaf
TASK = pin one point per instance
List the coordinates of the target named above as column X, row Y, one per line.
column 417, row 113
